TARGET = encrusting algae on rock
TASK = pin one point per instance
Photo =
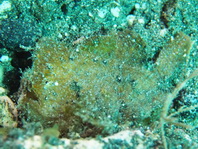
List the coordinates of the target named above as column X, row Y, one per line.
column 102, row 85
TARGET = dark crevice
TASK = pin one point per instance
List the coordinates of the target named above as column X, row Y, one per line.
column 132, row 11
column 155, row 57
column 20, row 62
column 64, row 9
column 167, row 12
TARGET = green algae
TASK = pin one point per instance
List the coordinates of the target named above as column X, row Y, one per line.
column 100, row 86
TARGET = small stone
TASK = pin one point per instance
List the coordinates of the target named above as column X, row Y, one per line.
column 56, row 83
column 163, row 32
column 90, row 14
column 130, row 19
column 141, row 21
column 137, row 6
column 5, row 6
column 60, row 36
column 115, row 12
column 102, row 13
column 74, row 27
column 144, row 6
column 4, row 58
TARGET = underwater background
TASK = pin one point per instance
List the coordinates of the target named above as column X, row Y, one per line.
column 99, row 74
